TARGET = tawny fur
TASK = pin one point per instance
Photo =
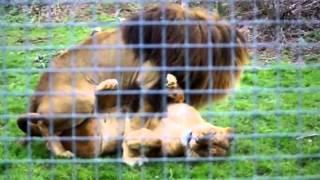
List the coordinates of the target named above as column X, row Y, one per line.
column 69, row 86
column 103, row 136
column 181, row 132
column 169, row 138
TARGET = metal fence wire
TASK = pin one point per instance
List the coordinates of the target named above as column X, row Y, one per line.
column 94, row 89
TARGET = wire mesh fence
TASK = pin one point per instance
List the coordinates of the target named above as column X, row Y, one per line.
column 90, row 88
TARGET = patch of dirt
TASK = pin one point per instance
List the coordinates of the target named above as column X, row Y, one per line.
column 75, row 11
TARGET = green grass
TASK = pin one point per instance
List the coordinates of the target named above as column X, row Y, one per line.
column 260, row 91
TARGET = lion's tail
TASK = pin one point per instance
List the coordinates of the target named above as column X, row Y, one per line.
column 27, row 122
column 186, row 43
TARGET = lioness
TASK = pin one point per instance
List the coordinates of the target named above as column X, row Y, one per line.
column 181, row 132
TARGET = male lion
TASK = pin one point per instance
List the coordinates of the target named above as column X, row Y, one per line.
column 203, row 52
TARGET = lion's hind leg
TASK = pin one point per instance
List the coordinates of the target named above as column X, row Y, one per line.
column 54, row 144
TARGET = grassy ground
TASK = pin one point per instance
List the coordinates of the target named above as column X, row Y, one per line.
column 274, row 103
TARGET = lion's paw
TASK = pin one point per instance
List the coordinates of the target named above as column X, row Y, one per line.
column 171, row 81
column 108, row 84
column 65, row 154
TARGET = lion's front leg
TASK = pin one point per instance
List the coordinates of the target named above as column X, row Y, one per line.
column 138, row 144
column 105, row 100
column 139, row 138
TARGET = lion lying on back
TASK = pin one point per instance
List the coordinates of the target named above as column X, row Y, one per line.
column 182, row 130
